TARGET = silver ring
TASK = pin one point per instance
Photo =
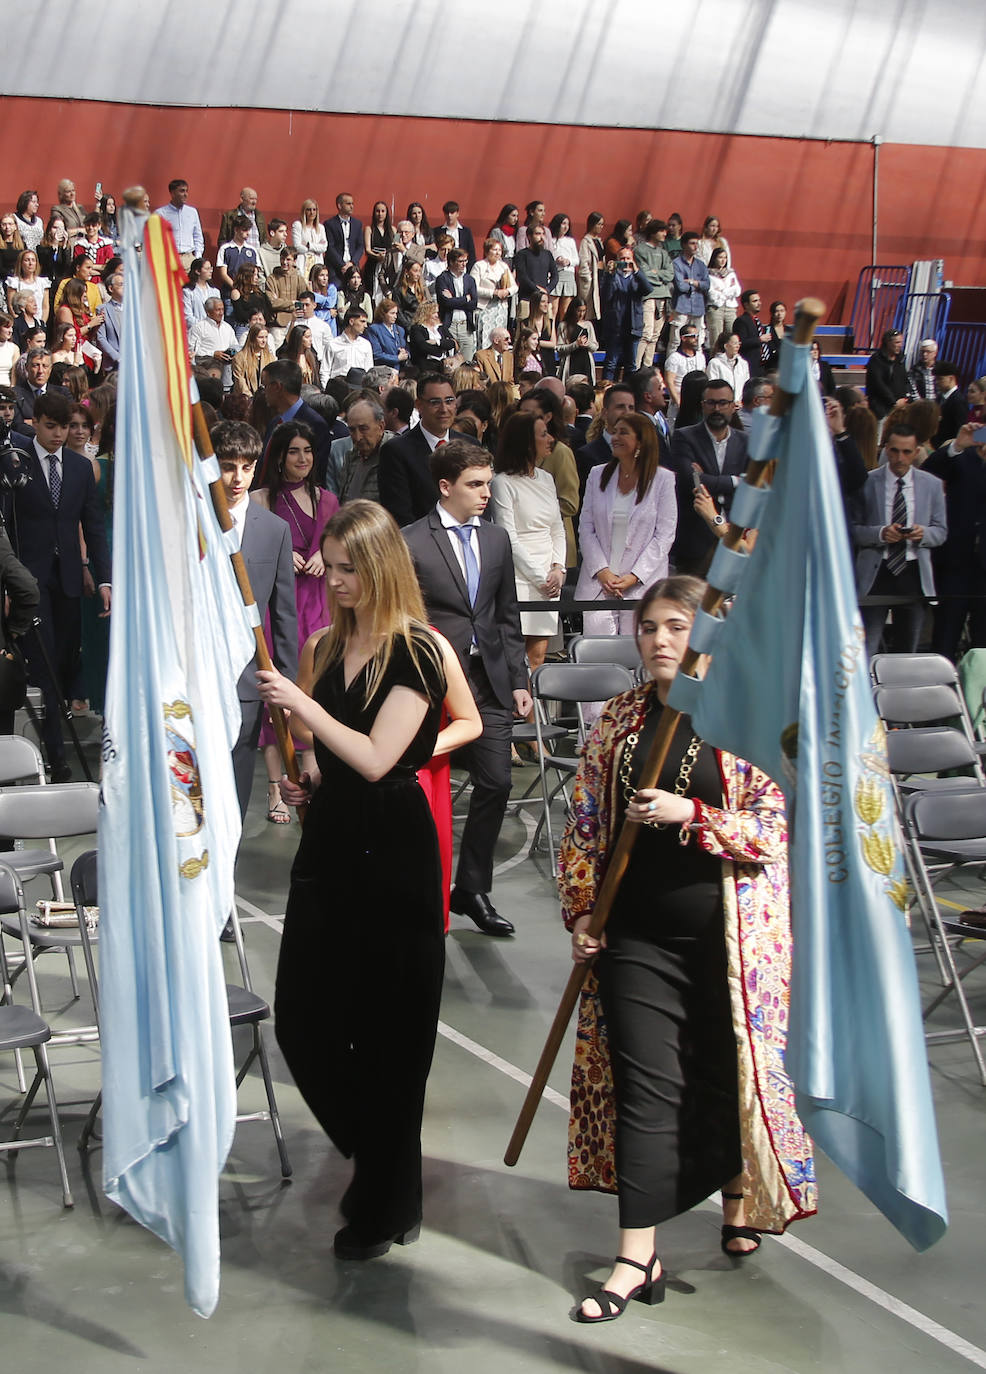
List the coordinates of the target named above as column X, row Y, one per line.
column 652, row 806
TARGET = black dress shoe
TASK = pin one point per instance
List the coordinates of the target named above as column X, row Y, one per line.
column 61, row 772
column 349, row 1244
column 480, row 910
column 226, row 934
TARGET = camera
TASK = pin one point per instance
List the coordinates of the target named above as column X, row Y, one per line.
column 15, row 472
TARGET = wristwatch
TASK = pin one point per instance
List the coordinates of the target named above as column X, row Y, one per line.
column 718, row 520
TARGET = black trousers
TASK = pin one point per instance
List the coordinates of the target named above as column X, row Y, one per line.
column 488, row 761
column 673, row 1056
column 61, row 632
column 962, row 593
column 907, row 620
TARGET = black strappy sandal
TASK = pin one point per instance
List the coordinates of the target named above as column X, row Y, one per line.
column 739, row 1233
column 613, row 1305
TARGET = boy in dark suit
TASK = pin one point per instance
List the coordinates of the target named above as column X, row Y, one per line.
column 466, row 571
column 43, row 519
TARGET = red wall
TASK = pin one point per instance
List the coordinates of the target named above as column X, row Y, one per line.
column 797, row 212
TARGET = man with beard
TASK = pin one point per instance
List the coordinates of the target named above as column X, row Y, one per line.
column 713, row 455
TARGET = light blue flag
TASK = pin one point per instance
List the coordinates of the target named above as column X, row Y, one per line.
column 788, row 689
column 170, row 822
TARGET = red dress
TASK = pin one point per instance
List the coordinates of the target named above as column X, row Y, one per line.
column 436, row 783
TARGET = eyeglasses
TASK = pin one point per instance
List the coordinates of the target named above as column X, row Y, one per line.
column 716, row 404
column 689, row 338
column 448, row 401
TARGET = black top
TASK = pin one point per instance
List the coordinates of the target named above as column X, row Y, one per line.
column 348, row 706
column 670, row 889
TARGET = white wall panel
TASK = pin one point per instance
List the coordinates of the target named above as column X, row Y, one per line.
column 908, row 70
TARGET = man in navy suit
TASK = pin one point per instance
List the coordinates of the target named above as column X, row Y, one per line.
column 37, row 367
column 458, row 296
column 902, row 518
column 407, row 488
column 281, row 383
column 954, row 407
column 466, row 571
column 713, row 453
column 344, row 235
column 43, row 518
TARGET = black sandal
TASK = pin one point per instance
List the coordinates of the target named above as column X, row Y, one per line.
column 613, row 1305
column 739, row 1233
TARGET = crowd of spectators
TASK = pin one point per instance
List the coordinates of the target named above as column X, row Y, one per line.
column 342, row 324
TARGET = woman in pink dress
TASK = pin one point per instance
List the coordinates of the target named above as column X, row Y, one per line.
column 306, row 509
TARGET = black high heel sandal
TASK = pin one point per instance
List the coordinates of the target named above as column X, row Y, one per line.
column 739, row 1233
column 613, row 1305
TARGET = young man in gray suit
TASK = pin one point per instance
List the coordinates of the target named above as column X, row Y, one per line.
column 902, row 519
column 265, row 542
column 466, row 571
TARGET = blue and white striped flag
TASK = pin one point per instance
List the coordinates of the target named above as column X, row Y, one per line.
column 788, row 688
column 170, row 822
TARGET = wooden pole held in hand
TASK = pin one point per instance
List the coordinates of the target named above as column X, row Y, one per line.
column 808, row 312
column 285, row 743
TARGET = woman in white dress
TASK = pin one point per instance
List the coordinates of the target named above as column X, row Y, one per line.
column 566, row 255
column 496, row 287
column 628, row 523
column 525, row 503
column 308, row 237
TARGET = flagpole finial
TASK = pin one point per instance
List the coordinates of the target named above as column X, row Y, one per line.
column 807, row 313
column 134, row 212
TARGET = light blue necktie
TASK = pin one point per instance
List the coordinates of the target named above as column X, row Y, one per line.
column 472, row 566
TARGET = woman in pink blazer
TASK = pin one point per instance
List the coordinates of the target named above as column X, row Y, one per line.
column 627, row 526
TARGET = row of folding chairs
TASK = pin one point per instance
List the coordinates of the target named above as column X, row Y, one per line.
column 936, row 769
column 36, row 811
column 598, row 667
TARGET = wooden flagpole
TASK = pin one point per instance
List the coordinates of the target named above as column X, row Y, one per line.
column 284, row 741
column 808, row 312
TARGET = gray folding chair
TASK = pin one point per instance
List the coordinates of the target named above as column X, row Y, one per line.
column 621, row 649
column 924, row 670
column 919, row 756
column 23, row 1029
column 246, row 1007
column 948, row 830
column 567, row 682
column 21, row 761
column 51, row 811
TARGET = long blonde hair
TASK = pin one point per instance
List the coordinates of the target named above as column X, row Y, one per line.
column 390, row 590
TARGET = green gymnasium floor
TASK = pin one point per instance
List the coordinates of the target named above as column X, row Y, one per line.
column 504, row 1254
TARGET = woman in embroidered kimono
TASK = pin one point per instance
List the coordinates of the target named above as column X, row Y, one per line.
column 678, row 1086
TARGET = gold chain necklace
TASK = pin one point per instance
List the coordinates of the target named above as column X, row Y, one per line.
column 681, row 785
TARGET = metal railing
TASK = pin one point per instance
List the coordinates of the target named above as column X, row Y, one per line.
column 878, row 292
column 964, row 343
column 922, row 315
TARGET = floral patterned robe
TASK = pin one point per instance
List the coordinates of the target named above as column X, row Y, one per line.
column 750, row 836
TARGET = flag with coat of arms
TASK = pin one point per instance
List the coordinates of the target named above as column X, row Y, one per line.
column 787, row 687
column 170, row 823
